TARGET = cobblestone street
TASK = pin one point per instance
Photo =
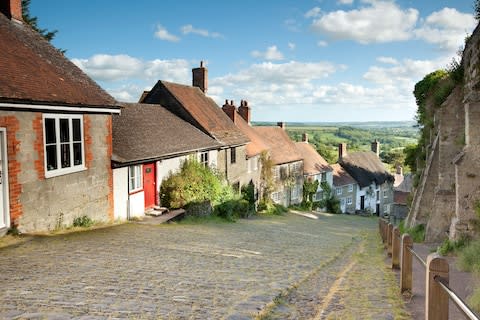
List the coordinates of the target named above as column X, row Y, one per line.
column 200, row 271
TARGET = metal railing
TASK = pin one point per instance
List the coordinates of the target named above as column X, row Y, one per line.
column 437, row 290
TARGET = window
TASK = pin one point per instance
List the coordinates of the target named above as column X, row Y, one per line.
column 318, row 196
column 349, row 200
column 350, row 188
column 276, row 173
column 378, row 195
column 324, row 177
column 276, row 197
column 233, row 155
column 135, row 178
column 295, row 192
column 64, row 144
column 385, row 193
column 204, row 158
column 339, row 191
column 386, row 209
column 342, row 202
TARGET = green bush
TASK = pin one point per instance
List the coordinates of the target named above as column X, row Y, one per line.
column 270, row 208
column 248, row 193
column 417, row 232
column 194, row 182
column 452, row 246
column 233, row 209
column 83, row 221
column 303, row 206
column 469, row 257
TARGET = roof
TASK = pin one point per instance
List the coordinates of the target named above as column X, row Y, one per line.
column 282, row 148
column 149, row 131
column 313, row 162
column 403, row 183
column 34, row 72
column 205, row 112
column 256, row 144
column 341, row 177
column 365, row 167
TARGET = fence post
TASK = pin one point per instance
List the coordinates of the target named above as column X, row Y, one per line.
column 406, row 261
column 436, row 304
column 389, row 239
column 395, row 248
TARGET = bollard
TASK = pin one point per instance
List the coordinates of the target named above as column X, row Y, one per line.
column 406, row 262
column 389, row 239
column 436, row 304
column 395, row 248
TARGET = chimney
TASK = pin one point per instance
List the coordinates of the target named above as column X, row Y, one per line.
column 305, row 137
column 200, row 77
column 244, row 111
column 399, row 170
column 230, row 110
column 12, row 9
column 282, row 125
column 342, row 150
column 376, row 147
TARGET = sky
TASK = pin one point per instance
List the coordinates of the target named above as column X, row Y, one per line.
column 292, row 60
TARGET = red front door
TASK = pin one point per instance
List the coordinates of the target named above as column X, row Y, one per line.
column 149, row 184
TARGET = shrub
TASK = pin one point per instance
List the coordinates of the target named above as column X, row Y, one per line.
column 469, row 257
column 329, row 202
column 452, row 246
column 248, row 193
column 270, row 208
column 417, row 232
column 194, row 182
column 83, row 221
column 232, row 209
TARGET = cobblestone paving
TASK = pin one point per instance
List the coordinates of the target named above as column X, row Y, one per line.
column 207, row 271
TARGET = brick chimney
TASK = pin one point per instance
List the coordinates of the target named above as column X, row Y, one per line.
column 200, row 77
column 230, row 109
column 244, row 111
column 342, row 150
column 282, row 125
column 12, row 9
column 305, row 137
column 399, row 170
column 376, row 147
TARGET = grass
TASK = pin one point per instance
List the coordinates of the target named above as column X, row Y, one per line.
column 452, row 246
column 469, row 260
column 417, row 232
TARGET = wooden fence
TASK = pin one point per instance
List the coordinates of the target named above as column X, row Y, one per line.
column 437, row 291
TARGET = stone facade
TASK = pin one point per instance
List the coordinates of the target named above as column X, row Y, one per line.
column 234, row 172
column 38, row 203
column 289, row 183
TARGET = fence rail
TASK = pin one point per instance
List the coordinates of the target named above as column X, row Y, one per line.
column 437, row 290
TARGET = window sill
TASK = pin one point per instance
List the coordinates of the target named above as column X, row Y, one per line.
column 61, row 172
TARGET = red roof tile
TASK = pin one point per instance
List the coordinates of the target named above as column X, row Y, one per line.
column 33, row 71
column 256, row 144
column 313, row 163
column 282, row 148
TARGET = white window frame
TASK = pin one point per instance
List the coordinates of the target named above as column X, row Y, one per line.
column 276, row 196
column 255, row 163
column 349, row 200
column 339, row 191
column 135, row 173
column 385, row 193
column 73, row 168
column 386, row 209
column 295, row 192
column 350, row 188
column 276, row 173
column 204, row 158
column 342, row 202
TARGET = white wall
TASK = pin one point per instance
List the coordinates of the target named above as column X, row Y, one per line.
column 370, row 200
column 120, row 193
column 137, row 204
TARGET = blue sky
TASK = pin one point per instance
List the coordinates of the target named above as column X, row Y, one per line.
column 293, row 60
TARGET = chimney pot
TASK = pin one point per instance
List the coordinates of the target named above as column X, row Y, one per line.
column 230, row 110
column 342, row 150
column 375, row 147
column 200, row 77
column 305, row 137
column 244, row 111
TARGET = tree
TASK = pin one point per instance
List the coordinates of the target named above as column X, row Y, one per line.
column 476, row 7
column 33, row 22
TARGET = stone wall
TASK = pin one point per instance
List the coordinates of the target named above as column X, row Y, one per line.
column 38, row 203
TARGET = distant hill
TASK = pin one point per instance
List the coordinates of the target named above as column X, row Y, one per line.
column 363, row 125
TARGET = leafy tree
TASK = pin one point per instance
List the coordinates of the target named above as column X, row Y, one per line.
column 309, row 189
column 33, row 22
column 476, row 7
column 329, row 201
column 266, row 176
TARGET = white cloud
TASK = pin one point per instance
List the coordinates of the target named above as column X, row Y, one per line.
column 314, row 12
column 345, row 1
column 322, row 43
column 272, row 53
column 292, row 46
column 387, row 60
column 377, row 22
column 187, row 29
column 110, row 68
column 446, row 28
column 126, row 93
column 163, row 34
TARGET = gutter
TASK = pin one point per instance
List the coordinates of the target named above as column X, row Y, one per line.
column 38, row 107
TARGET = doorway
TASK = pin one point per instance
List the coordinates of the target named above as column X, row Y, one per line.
column 149, row 184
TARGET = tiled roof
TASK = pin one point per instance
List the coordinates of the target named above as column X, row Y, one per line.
column 33, row 71
column 199, row 107
column 365, row 167
column 282, row 148
column 149, row 131
column 313, row 163
column 256, row 144
column 341, row 177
